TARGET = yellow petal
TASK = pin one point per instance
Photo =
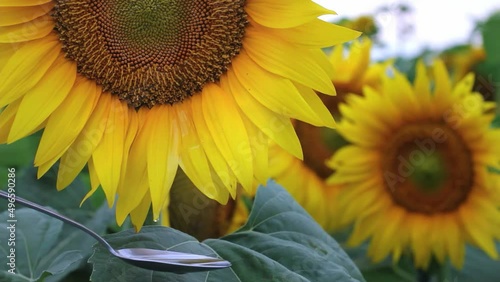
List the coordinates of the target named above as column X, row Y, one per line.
column 443, row 83
column 454, row 241
column 75, row 158
column 228, row 132
column 258, row 142
column 162, row 154
column 274, row 55
column 6, row 51
column 464, row 86
column 25, row 68
column 35, row 29
column 364, row 118
column 214, row 155
column 352, row 155
column 363, row 229
column 7, row 119
column 41, row 100
column 399, row 92
column 94, row 181
column 291, row 13
column 320, row 58
column 193, row 159
column 314, row 34
column 386, row 239
column 438, row 238
column 140, row 213
column 17, row 15
column 359, row 135
column 135, row 183
column 275, row 126
column 68, row 120
column 279, row 94
column 477, row 228
column 132, row 130
column 108, row 154
column 22, row 3
column 420, row 240
column 422, row 85
column 314, row 103
column 259, row 151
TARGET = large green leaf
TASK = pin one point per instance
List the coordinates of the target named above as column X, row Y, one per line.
column 35, row 235
column 292, row 246
column 478, row 267
column 280, row 242
column 66, row 202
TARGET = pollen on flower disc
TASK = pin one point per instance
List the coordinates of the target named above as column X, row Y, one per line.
column 151, row 52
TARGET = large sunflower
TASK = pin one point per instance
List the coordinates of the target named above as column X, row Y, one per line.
column 138, row 88
column 416, row 175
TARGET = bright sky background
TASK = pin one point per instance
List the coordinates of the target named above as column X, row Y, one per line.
column 438, row 23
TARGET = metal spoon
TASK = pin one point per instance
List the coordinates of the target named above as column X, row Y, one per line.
column 159, row 260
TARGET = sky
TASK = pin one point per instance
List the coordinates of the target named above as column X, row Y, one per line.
column 437, row 23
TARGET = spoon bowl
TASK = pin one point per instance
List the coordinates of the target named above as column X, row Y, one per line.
column 152, row 259
column 170, row 261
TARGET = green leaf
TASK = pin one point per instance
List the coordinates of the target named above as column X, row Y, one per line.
column 76, row 240
column 283, row 242
column 66, row 202
column 280, row 242
column 478, row 267
column 35, row 235
column 62, row 263
column 20, row 153
column 491, row 40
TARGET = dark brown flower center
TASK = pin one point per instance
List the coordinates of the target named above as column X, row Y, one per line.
column 427, row 168
column 151, row 52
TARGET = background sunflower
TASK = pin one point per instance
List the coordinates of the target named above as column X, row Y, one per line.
column 416, row 175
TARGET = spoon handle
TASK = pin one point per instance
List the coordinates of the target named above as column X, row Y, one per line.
column 46, row 211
